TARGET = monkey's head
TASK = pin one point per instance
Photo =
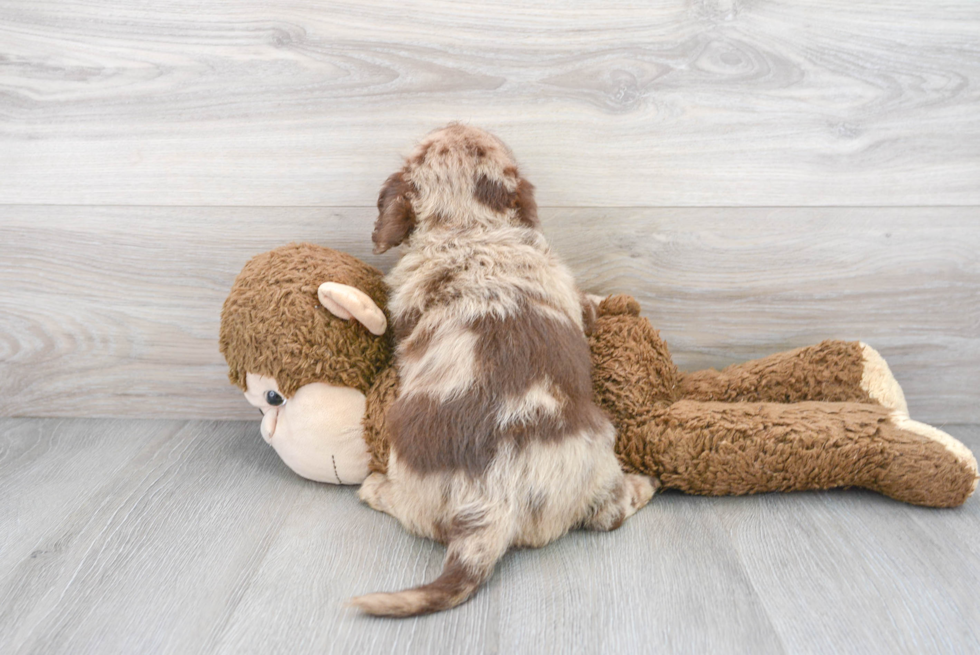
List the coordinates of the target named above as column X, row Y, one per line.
column 303, row 332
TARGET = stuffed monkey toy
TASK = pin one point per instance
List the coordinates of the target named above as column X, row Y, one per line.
column 305, row 336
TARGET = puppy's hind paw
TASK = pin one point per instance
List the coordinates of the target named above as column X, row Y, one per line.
column 372, row 491
column 641, row 489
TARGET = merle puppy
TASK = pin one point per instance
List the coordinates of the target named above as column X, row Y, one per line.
column 495, row 439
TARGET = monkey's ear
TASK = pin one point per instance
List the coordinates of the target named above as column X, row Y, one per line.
column 396, row 218
column 349, row 302
column 527, row 208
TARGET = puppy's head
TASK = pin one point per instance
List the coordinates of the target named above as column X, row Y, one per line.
column 456, row 178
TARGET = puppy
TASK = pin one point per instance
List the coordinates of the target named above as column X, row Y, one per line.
column 495, row 439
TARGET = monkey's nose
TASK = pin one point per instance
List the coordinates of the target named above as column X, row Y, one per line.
column 268, row 427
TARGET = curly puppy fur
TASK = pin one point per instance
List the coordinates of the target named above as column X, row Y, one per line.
column 495, row 439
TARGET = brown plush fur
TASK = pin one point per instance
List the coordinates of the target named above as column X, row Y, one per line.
column 792, row 421
column 719, row 448
column 495, row 438
column 301, row 342
column 830, row 371
column 380, row 398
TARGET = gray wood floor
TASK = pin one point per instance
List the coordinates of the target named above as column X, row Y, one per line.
column 157, row 536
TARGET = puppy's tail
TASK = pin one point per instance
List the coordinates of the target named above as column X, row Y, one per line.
column 470, row 560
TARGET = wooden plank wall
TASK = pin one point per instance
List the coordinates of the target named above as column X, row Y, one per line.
column 761, row 175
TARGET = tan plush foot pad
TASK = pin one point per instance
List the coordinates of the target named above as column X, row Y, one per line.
column 956, row 473
column 879, row 383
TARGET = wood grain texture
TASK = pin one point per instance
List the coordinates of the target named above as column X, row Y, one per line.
column 729, row 285
column 679, row 103
column 191, row 537
column 852, row 569
column 114, row 311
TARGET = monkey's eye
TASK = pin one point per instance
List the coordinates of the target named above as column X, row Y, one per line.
column 274, row 398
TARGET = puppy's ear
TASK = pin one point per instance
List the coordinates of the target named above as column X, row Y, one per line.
column 527, row 208
column 495, row 195
column 396, row 218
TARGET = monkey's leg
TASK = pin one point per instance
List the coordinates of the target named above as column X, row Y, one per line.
column 832, row 371
column 715, row 448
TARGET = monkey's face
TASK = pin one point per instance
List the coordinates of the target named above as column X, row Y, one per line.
column 317, row 432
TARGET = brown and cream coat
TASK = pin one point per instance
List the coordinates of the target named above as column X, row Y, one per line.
column 495, row 438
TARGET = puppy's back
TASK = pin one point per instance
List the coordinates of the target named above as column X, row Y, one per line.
column 495, row 437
